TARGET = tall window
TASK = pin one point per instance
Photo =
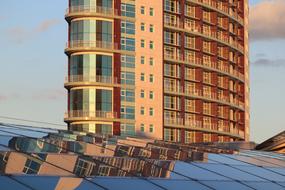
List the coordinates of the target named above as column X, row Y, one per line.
column 142, row 43
column 142, row 77
column 151, row 95
column 151, row 45
column 103, row 100
column 103, row 65
column 151, row 11
column 151, row 28
column 142, row 10
column 151, row 111
column 142, row 27
column 189, row 137
column 142, row 93
column 151, row 78
column 142, row 110
column 151, row 128
column 142, row 59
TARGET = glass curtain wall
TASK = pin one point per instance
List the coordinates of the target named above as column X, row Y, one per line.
column 91, row 68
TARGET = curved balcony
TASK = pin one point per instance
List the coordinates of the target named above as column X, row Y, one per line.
column 101, row 46
column 90, row 11
column 199, row 63
column 211, row 36
column 198, row 94
column 80, row 80
column 105, row 116
column 198, row 126
column 219, row 9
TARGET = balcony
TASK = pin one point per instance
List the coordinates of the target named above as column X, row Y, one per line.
column 197, row 125
column 80, row 115
column 173, row 88
column 80, row 45
column 196, row 61
column 219, row 7
column 80, row 80
column 86, row 10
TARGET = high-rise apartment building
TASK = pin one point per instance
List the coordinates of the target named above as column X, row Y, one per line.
column 167, row 69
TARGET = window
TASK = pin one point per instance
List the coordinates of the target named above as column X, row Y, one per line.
column 151, row 11
column 207, row 137
column 127, row 27
column 104, row 170
column 151, row 61
column 104, row 100
column 31, row 167
column 151, row 111
column 151, row 28
column 207, row 77
column 207, row 108
column 189, row 105
column 128, row 61
column 128, row 44
column 142, row 10
column 151, row 45
column 142, row 93
column 128, row 112
column 151, row 95
column 189, row 137
column 151, row 78
column 83, row 168
column 151, row 129
column 142, row 27
column 169, row 37
column 142, row 60
column 127, row 95
column 142, row 127
column 128, row 10
column 142, row 76
column 142, row 110
column 142, row 43
column 128, row 78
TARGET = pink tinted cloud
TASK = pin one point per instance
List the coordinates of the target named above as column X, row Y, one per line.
column 267, row 20
column 20, row 34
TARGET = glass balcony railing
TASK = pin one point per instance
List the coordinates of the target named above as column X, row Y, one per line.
column 92, row 44
column 90, row 114
column 95, row 79
column 92, row 10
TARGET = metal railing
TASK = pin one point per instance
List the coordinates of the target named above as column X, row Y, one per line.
column 98, row 79
column 213, row 127
column 92, row 44
column 92, row 10
column 90, row 114
column 199, row 93
column 220, row 8
column 199, row 62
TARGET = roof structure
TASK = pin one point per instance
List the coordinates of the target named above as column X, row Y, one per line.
column 46, row 158
column 275, row 144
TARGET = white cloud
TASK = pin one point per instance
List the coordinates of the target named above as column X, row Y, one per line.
column 20, row 34
column 267, row 20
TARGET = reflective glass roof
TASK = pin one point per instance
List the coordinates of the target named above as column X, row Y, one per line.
column 43, row 158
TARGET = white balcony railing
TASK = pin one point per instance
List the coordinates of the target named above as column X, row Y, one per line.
column 91, row 10
column 92, row 44
column 90, row 114
column 98, row 79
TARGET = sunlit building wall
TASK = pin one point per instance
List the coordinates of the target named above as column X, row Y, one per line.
column 167, row 69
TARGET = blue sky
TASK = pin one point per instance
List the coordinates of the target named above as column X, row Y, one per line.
column 33, row 34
